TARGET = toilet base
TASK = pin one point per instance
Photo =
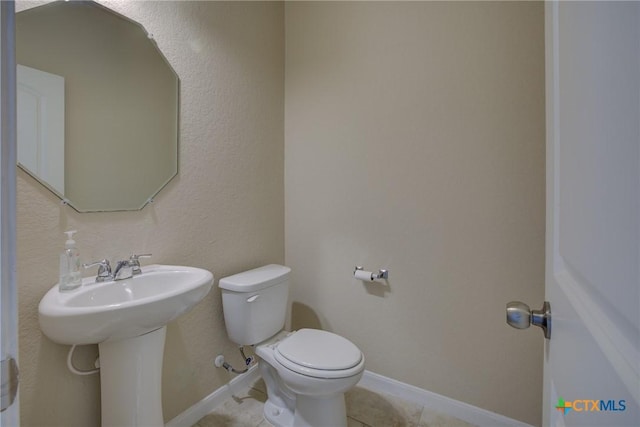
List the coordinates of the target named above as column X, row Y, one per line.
column 278, row 409
column 296, row 400
column 309, row 412
column 285, row 409
column 278, row 416
column 320, row 411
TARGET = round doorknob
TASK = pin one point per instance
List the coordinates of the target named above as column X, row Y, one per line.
column 520, row 316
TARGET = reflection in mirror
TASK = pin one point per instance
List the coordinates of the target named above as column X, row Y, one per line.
column 97, row 106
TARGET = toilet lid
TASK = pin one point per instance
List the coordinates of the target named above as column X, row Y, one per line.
column 319, row 350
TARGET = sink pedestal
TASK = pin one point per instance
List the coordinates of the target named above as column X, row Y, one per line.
column 131, row 380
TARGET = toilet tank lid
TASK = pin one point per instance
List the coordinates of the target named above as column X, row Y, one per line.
column 256, row 279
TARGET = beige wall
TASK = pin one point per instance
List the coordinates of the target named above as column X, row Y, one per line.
column 224, row 212
column 414, row 140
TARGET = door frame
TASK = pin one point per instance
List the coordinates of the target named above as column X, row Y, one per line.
column 8, row 157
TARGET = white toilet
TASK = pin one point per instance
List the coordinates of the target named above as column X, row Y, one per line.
column 306, row 372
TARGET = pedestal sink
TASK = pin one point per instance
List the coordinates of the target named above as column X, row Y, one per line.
column 127, row 319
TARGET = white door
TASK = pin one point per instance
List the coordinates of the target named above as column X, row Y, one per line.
column 9, row 416
column 592, row 361
column 40, row 107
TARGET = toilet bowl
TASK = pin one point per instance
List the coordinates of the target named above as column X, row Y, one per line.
column 306, row 372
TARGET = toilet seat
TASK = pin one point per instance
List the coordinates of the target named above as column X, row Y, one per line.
column 319, row 354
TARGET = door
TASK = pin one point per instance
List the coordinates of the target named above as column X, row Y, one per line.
column 9, row 416
column 40, row 107
column 592, row 360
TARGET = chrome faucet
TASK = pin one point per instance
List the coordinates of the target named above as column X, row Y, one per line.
column 128, row 268
column 124, row 269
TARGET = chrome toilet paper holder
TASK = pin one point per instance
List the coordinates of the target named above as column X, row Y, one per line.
column 381, row 274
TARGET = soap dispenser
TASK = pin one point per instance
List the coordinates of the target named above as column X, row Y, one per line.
column 70, row 276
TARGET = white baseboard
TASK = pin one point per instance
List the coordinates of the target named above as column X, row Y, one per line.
column 371, row 381
column 433, row 401
column 209, row 403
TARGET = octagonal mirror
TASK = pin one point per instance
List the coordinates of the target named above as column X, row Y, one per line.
column 97, row 106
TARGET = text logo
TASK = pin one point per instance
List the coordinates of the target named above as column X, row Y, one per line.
column 588, row 405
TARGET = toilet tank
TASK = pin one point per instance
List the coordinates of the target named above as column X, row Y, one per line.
column 255, row 303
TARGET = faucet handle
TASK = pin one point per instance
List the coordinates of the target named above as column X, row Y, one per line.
column 104, row 269
column 134, row 261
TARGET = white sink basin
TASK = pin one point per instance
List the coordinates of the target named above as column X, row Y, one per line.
column 99, row 312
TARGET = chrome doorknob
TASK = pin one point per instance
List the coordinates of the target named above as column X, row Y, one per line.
column 520, row 316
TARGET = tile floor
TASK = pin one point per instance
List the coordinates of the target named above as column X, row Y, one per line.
column 365, row 408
